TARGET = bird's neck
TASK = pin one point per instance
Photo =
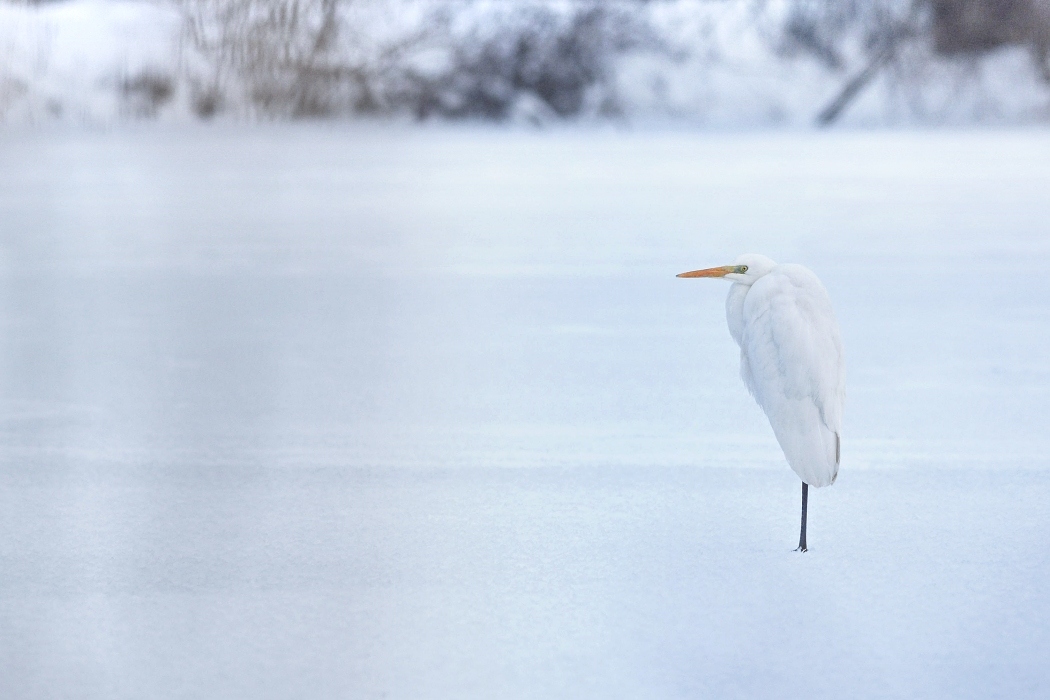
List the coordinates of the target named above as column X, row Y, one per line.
column 735, row 310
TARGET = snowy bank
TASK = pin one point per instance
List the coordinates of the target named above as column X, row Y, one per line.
column 702, row 63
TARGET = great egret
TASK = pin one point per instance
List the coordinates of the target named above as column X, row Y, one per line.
column 791, row 361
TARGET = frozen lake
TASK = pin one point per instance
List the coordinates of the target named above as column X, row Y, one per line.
column 328, row 412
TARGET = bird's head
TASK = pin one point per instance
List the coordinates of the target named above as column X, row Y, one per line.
column 746, row 270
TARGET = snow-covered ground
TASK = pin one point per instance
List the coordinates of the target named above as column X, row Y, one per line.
column 329, row 412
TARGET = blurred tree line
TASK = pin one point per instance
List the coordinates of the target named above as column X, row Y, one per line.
column 319, row 58
column 898, row 34
column 538, row 59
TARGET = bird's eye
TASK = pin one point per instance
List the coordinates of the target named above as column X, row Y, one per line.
column 743, row 268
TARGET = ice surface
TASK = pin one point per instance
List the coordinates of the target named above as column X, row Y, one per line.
column 319, row 412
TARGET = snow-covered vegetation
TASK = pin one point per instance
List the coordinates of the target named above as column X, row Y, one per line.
column 714, row 62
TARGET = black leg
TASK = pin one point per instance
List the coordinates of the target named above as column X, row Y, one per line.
column 802, row 535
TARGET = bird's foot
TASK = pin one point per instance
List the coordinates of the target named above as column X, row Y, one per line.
column 800, row 548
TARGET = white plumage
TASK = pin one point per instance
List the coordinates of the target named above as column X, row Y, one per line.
column 790, row 359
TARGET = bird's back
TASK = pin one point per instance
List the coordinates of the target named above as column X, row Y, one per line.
column 792, row 363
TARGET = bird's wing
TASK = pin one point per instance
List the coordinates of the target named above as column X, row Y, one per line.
column 792, row 362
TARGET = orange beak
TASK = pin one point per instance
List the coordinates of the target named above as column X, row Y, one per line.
column 712, row 271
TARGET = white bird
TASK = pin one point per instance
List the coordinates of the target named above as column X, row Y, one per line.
column 791, row 361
